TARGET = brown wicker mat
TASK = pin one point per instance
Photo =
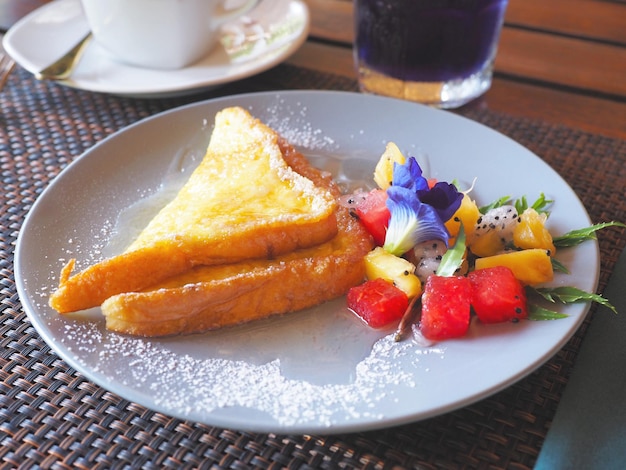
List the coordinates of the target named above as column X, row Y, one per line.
column 52, row 417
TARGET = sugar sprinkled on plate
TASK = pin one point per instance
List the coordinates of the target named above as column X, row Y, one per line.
column 188, row 385
column 293, row 125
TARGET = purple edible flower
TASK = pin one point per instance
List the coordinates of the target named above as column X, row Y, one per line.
column 411, row 222
column 444, row 197
column 418, row 212
column 409, row 176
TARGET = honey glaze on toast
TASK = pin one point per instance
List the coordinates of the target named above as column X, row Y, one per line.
column 244, row 201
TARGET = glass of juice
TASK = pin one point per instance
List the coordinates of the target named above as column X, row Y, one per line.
column 436, row 52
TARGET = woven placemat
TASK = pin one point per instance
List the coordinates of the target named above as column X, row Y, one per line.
column 52, row 417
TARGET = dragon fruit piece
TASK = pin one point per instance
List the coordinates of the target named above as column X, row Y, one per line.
column 426, row 256
column 502, row 219
column 494, row 230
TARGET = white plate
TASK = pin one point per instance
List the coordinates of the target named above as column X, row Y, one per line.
column 317, row 371
column 267, row 36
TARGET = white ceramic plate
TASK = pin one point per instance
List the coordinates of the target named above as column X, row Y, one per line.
column 317, row 371
column 267, row 36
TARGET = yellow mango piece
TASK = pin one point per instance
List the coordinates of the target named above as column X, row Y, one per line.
column 382, row 264
column 532, row 266
column 383, row 173
column 467, row 214
column 488, row 244
column 531, row 232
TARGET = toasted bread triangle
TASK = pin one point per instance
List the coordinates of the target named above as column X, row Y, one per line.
column 211, row 297
column 243, row 202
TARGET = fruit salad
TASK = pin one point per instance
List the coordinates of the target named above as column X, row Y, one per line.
column 441, row 259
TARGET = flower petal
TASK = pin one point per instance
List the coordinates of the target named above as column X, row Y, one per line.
column 444, row 197
column 411, row 221
column 409, row 175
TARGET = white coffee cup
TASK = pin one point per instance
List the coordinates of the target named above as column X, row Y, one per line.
column 161, row 34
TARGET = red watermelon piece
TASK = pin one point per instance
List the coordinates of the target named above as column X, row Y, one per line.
column 445, row 307
column 497, row 296
column 374, row 215
column 378, row 302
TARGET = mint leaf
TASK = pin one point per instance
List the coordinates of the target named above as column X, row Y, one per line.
column 557, row 266
column 576, row 237
column 537, row 313
column 497, row 203
column 521, row 204
column 541, row 204
column 569, row 295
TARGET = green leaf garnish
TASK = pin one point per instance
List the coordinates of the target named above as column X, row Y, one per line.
column 537, row 313
column 557, row 266
column 569, row 295
column 497, row 203
column 540, row 205
column 576, row 237
column 453, row 258
column 521, row 204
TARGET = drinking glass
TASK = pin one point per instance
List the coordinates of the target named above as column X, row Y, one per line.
column 436, row 52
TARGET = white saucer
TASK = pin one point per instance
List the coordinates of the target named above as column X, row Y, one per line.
column 267, row 36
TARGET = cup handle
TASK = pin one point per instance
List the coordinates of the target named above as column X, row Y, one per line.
column 222, row 15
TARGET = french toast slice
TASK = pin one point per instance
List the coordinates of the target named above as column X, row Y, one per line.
column 212, row 297
column 244, row 201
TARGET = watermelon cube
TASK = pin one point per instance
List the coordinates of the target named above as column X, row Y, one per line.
column 445, row 307
column 378, row 302
column 497, row 296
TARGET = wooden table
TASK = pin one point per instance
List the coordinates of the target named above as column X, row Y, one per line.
column 558, row 60
column 559, row 89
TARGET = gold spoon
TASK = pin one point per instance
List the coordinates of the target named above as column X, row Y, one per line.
column 64, row 66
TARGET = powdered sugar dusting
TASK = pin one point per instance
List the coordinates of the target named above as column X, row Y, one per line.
column 189, row 385
column 292, row 123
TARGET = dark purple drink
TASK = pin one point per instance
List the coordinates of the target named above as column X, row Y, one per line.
column 426, row 40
